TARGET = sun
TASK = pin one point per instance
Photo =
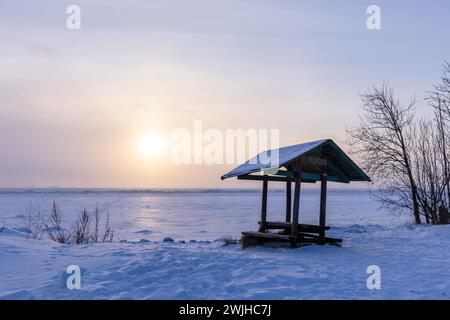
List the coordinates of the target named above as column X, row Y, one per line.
column 151, row 144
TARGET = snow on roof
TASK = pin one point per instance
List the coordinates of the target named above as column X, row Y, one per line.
column 339, row 164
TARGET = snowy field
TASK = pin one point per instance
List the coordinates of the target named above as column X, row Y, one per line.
column 413, row 260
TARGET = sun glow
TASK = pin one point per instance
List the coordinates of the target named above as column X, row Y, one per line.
column 151, row 144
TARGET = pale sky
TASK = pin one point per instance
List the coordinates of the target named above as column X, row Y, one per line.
column 75, row 103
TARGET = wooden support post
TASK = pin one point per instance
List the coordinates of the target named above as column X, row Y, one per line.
column 297, row 187
column 264, row 205
column 323, row 204
column 288, row 201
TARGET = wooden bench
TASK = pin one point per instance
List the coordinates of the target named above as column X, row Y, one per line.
column 255, row 238
column 274, row 236
column 301, row 227
column 305, row 235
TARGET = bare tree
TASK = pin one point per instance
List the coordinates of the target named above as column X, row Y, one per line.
column 108, row 234
column 34, row 222
column 428, row 170
column 80, row 232
column 439, row 99
column 95, row 232
column 37, row 222
column 383, row 142
column 54, row 225
column 440, row 95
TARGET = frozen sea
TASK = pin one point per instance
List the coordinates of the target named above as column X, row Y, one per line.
column 193, row 214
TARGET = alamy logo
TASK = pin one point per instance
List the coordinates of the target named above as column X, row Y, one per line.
column 215, row 146
column 74, row 280
column 374, row 19
column 374, row 280
column 73, row 21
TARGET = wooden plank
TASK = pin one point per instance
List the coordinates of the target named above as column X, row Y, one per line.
column 297, row 187
column 261, row 178
column 287, row 225
column 323, row 203
column 306, row 178
column 309, row 176
column 267, row 235
column 342, row 177
column 288, row 201
column 286, row 173
column 272, row 178
column 316, row 237
column 315, row 160
column 327, row 240
column 302, row 238
column 316, row 177
column 264, row 205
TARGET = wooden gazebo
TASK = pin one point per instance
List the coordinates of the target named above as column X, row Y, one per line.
column 309, row 162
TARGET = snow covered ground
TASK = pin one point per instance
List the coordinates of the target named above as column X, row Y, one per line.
column 413, row 259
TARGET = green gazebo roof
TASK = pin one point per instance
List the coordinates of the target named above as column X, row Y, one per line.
column 317, row 157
